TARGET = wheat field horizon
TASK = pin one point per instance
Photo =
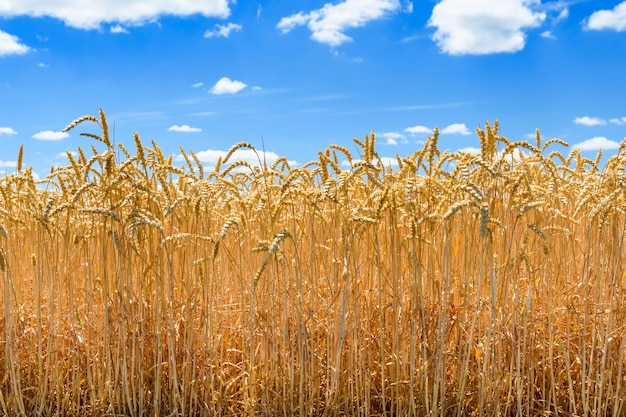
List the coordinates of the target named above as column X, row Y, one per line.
column 452, row 284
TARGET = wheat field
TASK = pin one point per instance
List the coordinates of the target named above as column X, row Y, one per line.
column 136, row 284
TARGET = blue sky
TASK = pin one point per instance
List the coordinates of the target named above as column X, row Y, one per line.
column 296, row 76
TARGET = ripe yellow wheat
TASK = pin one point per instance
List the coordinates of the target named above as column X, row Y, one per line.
column 490, row 284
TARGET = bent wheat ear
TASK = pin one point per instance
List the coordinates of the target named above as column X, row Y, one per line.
column 80, row 120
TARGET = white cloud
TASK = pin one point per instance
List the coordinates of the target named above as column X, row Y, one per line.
column 256, row 88
column 51, row 135
column 227, row 86
column 387, row 161
column 547, row 35
column 63, row 155
column 328, row 24
column 589, row 121
column 8, row 164
column 42, row 65
column 393, row 138
column 198, row 85
column 78, row 14
column 481, row 27
column 618, row 121
column 608, row 19
column 210, row 156
column 455, row 129
column 7, row 131
column 119, row 29
column 10, row 44
column 563, row 14
column 417, row 130
column 470, row 149
column 596, row 143
column 222, row 30
column 184, row 129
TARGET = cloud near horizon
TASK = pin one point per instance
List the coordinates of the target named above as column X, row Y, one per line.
column 210, row 156
column 596, row 143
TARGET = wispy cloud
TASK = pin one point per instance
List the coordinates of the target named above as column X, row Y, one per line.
column 547, row 35
column 589, row 121
column 223, row 30
column 426, row 106
column 184, row 129
column 117, row 29
column 7, row 131
column 51, row 135
column 328, row 24
column 11, row 45
column 618, row 121
column 227, row 86
column 197, row 85
column 614, row 19
column 596, row 143
column 135, row 12
column 483, row 27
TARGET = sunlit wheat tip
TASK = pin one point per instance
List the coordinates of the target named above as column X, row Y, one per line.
column 80, row 120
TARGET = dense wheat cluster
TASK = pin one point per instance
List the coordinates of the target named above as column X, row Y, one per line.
column 455, row 284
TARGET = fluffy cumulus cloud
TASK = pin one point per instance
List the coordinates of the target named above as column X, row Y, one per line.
column 456, row 129
column 419, row 130
column 7, row 131
column 470, row 149
column 222, row 30
column 184, row 129
column 51, row 135
column 596, row 143
column 227, row 86
column 10, row 45
column 614, row 19
column 136, row 12
column 480, row 27
column 393, row 138
column 328, row 24
column 589, row 121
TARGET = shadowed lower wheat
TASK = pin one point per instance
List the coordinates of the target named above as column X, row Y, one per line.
column 454, row 284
